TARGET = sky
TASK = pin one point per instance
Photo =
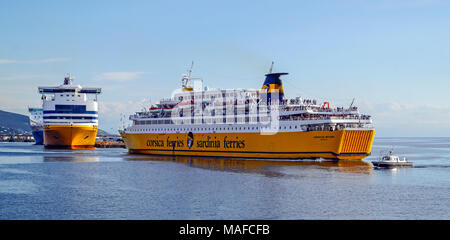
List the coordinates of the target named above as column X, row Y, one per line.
column 391, row 56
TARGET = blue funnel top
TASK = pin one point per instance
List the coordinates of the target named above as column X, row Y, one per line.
column 273, row 82
column 274, row 78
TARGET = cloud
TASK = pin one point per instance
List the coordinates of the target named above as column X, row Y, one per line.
column 45, row 60
column 408, row 119
column 116, row 108
column 395, row 4
column 117, row 76
column 114, row 114
column 50, row 60
column 19, row 77
column 5, row 61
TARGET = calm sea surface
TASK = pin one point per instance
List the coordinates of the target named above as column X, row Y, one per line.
column 112, row 184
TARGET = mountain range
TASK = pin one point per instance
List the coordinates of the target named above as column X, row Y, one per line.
column 14, row 123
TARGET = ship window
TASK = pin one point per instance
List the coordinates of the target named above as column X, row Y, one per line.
column 70, row 108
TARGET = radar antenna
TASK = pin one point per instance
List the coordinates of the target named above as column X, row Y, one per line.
column 68, row 80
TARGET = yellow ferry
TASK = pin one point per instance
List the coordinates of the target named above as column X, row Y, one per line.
column 70, row 115
column 248, row 123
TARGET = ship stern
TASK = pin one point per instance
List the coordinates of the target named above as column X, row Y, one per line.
column 355, row 144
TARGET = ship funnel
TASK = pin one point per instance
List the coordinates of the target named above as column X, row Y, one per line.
column 272, row 84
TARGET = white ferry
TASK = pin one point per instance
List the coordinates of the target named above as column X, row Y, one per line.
column 70, row 114
column 36, row 124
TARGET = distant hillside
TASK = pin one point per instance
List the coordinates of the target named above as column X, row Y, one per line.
column 103, row 133
column 14, row 121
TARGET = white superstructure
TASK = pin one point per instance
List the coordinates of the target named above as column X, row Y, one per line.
column 36, row 118
column 70, row 104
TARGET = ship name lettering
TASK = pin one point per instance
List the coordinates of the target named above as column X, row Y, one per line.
column 175, row 143
column 233, row 143
column 155, row 143
column 323, row 136
column 208, row 143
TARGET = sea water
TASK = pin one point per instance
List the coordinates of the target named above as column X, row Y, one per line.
column 36, row 183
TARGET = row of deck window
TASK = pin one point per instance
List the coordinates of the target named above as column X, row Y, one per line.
column 211, row 129
column 307, row 128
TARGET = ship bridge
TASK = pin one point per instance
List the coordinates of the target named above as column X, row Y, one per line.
column 68, row 87
column 71, row 89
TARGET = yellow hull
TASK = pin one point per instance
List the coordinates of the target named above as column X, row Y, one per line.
column 342, row 144
column 70, row 136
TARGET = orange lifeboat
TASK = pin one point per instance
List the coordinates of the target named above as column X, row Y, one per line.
column 327, row 104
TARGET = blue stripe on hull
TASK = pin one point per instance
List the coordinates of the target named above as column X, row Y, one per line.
column 71, row 112
column 38, row 136
column 68, row 117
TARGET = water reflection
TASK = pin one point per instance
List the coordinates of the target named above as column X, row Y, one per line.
column 74, row 158
column 69, row 155
column 393, row 170
column 258, row 165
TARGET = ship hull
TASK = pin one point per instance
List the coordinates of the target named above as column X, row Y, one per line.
column 340, row 145
column 38, row 136
column 70, row 136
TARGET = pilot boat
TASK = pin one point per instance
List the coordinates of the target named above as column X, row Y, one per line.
column 391, row 160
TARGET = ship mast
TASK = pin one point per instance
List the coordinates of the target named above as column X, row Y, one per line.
column 68, row 80
column 271, row 67
column 186, row 80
